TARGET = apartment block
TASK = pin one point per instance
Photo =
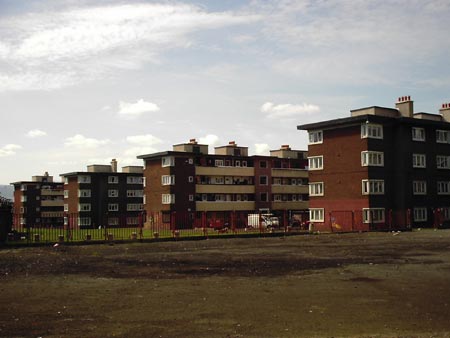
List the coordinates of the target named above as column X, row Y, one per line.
column 38, row 203
column 191, row 183
column 101, row 196
column 380, row 168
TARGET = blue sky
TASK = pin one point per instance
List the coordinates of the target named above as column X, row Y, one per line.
column 82, row 82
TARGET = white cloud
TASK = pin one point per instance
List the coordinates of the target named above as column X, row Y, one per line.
column 144, row 140
column 79, row 44
column 287, row 110
column 134, row 110
column 136, row 151
column 9, row 150
column 210, row 139
column 262, row 149
column 36, row 133
column 80, row 141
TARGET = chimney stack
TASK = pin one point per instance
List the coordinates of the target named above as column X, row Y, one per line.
column 232, row 143
column 193, row 141
column 445, row 112
column 405, row 106
column 114, row 165
column 285, row 147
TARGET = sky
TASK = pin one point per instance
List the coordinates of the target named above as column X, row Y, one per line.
column 82, row 82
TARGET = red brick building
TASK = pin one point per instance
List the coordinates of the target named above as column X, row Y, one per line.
column 192, row 185
column 380, row 168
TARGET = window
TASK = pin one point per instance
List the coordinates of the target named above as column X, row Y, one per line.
column 23, row 198
column 418, row 134
column 168, row 179
column 244, row 163
column 316, row 215
column 374, row 215
column 84, row 193
column 132, row 220
column 419, row 161
column 315, row 163
column 372, row 187
column 316, row 189
column 219, row 198
column 443, row 162
column 168, row 198
column 315, row 137
column 445, row 213
column 113, row 207
column 293, row 181
column 135, row 207
column 419, row 187
column 135, row 193
column 66, row 207
column 22, row 210
column 263, row 180
column 442, row 136
column 84, row 207
column 167, row 161
column 113, row 193
column 23, row 187
column 371, row 130
column 218, row 163
column 191, row 179
column 135, row 180
column 191, row 161
column 217, row 180
column 66, row 180
column 443, row 187
column 23, row 221
column 84, row 221
column 264, row 197
column 113, row 179
column 191, row 198
column 277, row 198
column 277, row 181
column 372, row 158
column 237, row 163
column 66, row 193
column 84, row 179
column 113, row 220
column 263, row 164
column 420, row 214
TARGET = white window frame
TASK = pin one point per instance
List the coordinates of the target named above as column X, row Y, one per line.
column 316, row 189
column 191, row 198
column 419, row 161
column 66, row 207
column 372, row 130
column 135, row 207
column 168, row 198
column 113, row 206
column 84, row 221
column 445, row 212
column 372, row 187
column 218, row 163
column 419, row 187
column 135, row 180
column 372, row 159
column 315, row 162
column 23, row 198
column 420, row 214
column 66, row 180
column 66, row 193
column 442, row 136
column 135, row 193
column 418, row 134
column 442, row 162
column 84, row 207
column 316, row 214
column 84, row 193
column 113, row 193
column 443, row 187
column 167, row 161
column 168, row 180
column 84, row 179
column 315, row 137
column 191, row 179
column 374, row 215
column 113, row 179
column 277, row 197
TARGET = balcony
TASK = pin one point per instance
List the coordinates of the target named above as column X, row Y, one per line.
column 224, row 189
column 225, row 206
column 52, row 203
column 49, row 192
column 290, row 189
column 224, row 171
column 293, row 173
column 290, row 205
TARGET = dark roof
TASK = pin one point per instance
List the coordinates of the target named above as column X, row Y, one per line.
column 75, row 173
column 348, row 121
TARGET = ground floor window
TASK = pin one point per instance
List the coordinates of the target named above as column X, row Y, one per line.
column 316, row 215
column 374, row 215
column 420, row 214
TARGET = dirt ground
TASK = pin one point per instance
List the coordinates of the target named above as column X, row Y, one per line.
column 347, row 285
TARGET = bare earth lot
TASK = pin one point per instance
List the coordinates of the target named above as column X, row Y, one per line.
column 348, row 285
